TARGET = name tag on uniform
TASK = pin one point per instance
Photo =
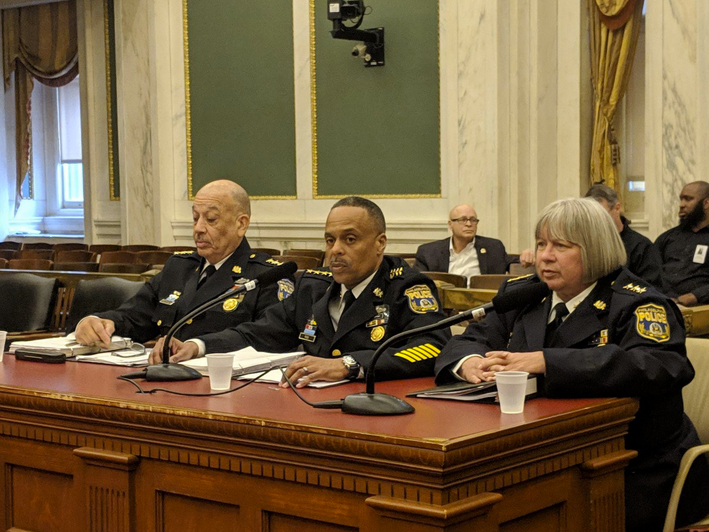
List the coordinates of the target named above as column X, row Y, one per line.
column 700, row 253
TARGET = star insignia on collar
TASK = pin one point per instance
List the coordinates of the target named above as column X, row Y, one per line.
column 378, row 292
column 600, row 305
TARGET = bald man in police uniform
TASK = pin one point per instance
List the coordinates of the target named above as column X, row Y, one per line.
column 221, row 216
column 341, row 315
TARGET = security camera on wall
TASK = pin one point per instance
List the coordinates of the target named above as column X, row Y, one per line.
column 372, row 48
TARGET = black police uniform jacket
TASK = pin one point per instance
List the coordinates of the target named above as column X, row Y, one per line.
column 397, row 299
column 625, row 339
column 172, row 293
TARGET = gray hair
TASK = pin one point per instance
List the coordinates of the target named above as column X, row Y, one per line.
column 603, row 192
column 588, row 225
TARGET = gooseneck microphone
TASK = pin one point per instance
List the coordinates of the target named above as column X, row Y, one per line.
column 166, row 371
column 369, row 403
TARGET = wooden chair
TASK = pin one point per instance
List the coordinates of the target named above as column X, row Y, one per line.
column 71, row 246
column 14, row 246
column 697, row 409
column 47, row 254
column 7, row 254
column 117, row 267
column 37, row 245
column 517, row 269
column 303, row 263
column 270, row 251
column 318, row 254
column 75, row 255
column 122, row 257
column 153, row 257
column 490, row 281
column 76, row 266
column 140, row 247
column 102, row 248
column 451, row 278
column 3, row 263
column 31, row 264
column 178, row 248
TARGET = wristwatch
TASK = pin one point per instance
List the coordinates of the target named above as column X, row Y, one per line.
column 352, row 366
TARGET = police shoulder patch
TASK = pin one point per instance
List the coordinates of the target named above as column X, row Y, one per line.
column 651, row 322
column 421, row 300
column 285, row 289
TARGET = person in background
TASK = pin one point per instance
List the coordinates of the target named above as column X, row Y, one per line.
column 643, row 258
column 683, row 249
column 221, row 214
column 341, row 315
column 465, row 252
column 601, row 332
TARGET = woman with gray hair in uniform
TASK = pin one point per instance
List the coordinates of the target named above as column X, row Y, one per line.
column 602, row 332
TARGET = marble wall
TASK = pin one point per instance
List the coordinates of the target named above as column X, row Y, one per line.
column 515, row 121
column 676, row 106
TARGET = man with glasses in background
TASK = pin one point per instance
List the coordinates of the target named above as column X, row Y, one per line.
column 465, row 253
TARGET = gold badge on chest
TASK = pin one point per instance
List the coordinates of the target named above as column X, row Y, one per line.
column 231, row 304
column 377, row 334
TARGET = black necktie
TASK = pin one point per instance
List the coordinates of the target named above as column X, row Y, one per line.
column 560, row 312
column 347, row 299
column 208, row 272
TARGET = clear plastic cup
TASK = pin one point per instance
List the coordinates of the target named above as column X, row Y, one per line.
column 3, row 337
column 511, row 390
column 219, row 367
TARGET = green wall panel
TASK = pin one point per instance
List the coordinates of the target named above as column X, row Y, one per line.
column 241, row 95
column 377, row 129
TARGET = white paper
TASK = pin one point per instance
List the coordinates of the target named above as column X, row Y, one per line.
column 275, row 375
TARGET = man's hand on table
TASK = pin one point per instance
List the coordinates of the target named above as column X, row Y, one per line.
column 309, row 369
column 179, row 351
column 95, row 331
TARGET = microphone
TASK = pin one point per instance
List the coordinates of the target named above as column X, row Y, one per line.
column 167, row 372
column 369, row 403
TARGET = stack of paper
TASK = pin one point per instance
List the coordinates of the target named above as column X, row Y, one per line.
column 67, row 345
column 249, row 360
column 484, row 392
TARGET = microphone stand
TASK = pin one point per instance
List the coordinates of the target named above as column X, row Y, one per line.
column 169, row 372
column 369, row 403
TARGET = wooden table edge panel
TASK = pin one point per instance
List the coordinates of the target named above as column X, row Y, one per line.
column 429, row 471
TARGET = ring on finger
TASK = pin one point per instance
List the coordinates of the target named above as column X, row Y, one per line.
column 305, row 369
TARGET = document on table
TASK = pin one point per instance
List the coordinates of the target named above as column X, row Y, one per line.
column 122, row 357
column 249, row 360
column 275, row 375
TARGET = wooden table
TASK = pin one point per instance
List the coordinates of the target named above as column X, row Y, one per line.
column 81, row 451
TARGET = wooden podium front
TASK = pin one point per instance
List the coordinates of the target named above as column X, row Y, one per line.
column 82, row 451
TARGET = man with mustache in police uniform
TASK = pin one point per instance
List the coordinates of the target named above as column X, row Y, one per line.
column 341, row 315
column 221, row 215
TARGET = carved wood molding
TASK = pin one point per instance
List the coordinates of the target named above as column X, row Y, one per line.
column 288, row 453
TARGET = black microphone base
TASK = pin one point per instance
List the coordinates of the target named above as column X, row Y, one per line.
column 171, row 372
column 375, row 404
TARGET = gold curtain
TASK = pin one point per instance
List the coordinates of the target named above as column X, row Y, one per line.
column 39, row 42
column 615, row 26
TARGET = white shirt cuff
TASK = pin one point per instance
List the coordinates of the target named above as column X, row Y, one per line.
column 200, row 345
column 459, row 365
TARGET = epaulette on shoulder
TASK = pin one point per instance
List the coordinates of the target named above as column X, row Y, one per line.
column 187, row 254
column 264, row 259
column 630, row 288
column 323, row 275
column 396, row 272
column 519, row 279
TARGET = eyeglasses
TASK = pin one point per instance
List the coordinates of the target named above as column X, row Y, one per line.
column 463, row 220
